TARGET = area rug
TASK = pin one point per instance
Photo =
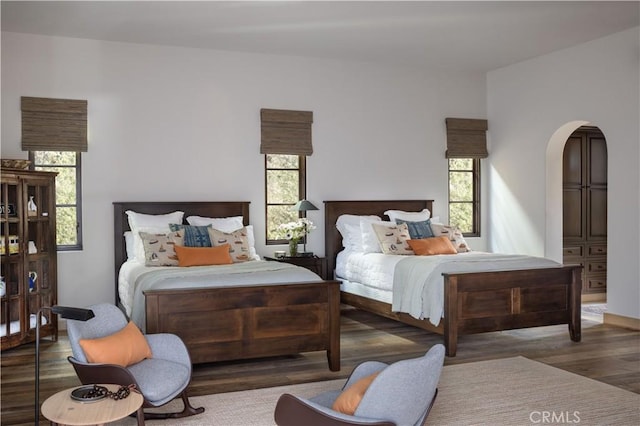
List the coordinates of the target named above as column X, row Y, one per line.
column 511, row 391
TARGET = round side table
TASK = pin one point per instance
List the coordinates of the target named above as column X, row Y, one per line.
column 60, row 408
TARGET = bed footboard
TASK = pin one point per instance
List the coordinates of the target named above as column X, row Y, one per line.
column 505, row 300
column 230, row 323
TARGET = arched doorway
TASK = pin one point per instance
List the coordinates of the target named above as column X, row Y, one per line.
column 577, row 187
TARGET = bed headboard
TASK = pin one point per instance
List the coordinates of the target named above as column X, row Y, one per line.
column 190, row 208
column 333, row 209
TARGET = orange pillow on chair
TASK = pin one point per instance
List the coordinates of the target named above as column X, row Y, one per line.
column 348, row 401
column 431, row 246
column 201, row 256
column 125, row 347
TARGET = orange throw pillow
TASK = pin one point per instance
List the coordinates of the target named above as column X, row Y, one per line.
column 348, row 401
column 201, row 256
column 125, row 347
column 431, row 246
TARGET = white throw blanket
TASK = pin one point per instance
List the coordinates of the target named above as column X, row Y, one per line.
column 418, row 284
column 237, row 274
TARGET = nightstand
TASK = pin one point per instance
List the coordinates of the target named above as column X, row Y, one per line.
column 313, row 263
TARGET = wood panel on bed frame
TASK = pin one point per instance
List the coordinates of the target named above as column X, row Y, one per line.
column 473, row 302
column 239, row 322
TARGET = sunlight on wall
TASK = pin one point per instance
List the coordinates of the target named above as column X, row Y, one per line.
column 553, row 205
column 515, row 237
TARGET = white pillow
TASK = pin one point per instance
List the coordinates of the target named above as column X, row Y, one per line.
column 129, row 244
column 370, row 242
column 252, row 242
column 409, row 216
column 351, row 237
column 352, row 219
column 151, row 223
column 224, row 224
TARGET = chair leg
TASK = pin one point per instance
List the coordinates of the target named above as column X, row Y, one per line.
column 188, row 410
column 140, row 416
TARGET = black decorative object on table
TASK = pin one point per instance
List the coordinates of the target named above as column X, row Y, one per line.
column 91, row 393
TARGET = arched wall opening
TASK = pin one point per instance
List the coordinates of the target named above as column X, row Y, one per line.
column 553, row 174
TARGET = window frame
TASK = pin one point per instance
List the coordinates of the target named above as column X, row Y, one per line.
column 475, row 202
column 78, row 205
column 302, row 194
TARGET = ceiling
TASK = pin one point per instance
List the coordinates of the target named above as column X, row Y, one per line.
column 450, row 35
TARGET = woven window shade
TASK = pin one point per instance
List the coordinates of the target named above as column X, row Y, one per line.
column 54, row 124
column 286, row 132
column 466, row 138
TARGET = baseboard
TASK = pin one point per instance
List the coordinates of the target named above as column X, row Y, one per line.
column 621, row 321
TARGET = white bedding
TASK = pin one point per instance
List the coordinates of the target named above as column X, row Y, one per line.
column 420, row 292
column 134, row 278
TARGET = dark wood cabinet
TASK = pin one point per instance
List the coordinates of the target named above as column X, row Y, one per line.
column 313, row 263
column 28, row 255
column 585, row 206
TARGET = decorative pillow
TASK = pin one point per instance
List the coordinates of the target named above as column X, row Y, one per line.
column 202, row 256
column 159, row 248
column 393, row 239
column 412, row 216
column 417, row 230
column 431, row 246
column 224, row 224
column 151, row 223
column 347, row 402
column 238, row 241
column 125, row 347
column 454, row 234
column 194, row 236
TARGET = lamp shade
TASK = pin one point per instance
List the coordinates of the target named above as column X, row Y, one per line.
column 303, row 206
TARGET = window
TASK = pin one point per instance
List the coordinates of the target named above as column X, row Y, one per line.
column 68, row 194
column 285, row 184
column 464, row 195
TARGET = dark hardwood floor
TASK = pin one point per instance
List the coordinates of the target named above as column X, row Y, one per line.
column 608, row 354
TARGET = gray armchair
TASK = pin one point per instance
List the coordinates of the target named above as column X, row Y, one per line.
column 401, row 395
column 160, row 379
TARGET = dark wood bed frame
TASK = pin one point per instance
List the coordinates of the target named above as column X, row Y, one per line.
column 239, row 322
column 473, row 302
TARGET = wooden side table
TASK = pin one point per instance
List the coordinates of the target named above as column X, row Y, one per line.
column 60, row 408
column 313, row 263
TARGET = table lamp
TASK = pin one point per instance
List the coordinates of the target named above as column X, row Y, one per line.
column 66, row 312
column 304, row 206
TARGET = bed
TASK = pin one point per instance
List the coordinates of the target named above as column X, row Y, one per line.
column 473, row 302
column 239, row 321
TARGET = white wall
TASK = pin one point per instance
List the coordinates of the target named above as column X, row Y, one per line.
column 183, row 124
column 596, row 83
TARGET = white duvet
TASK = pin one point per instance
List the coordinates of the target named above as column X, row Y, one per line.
column 415, row 283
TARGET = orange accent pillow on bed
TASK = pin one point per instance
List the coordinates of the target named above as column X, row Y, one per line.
column 201, row 256
column 431, row 246
column 125, row 347
column 347, row 402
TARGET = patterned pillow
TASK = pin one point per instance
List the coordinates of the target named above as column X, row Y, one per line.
column 194, row 236
column 454, row 234
column 238, row 241
column 418, row 230
column 393, row 239
column 159, row 248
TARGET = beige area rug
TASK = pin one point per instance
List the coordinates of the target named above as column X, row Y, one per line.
column 512, row 391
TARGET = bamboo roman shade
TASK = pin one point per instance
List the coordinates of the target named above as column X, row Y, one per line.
column 466, row 138
column 286, row 132
column 54, row 124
